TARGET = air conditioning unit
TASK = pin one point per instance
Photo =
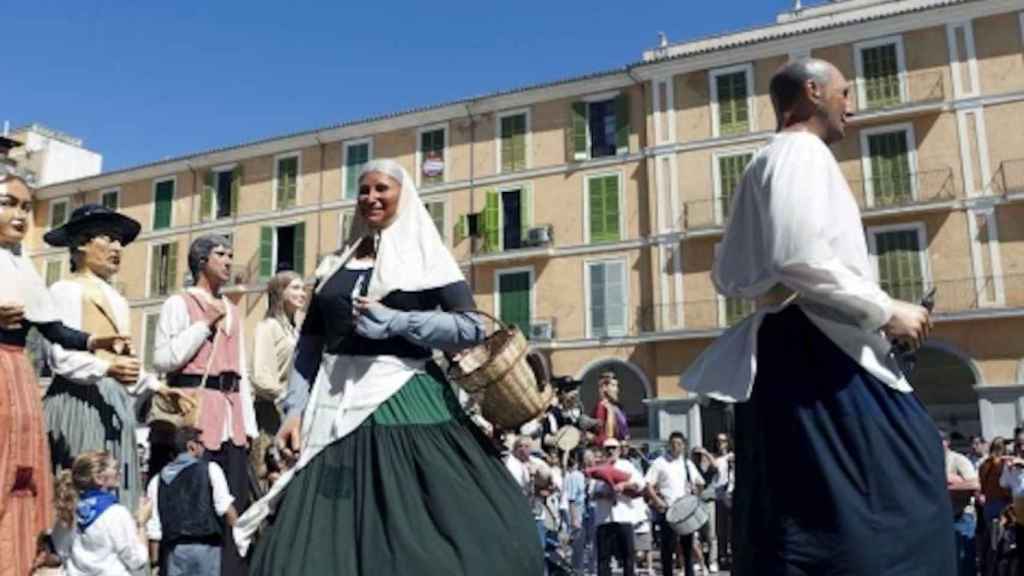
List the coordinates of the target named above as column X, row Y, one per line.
column 538, row 236
column 542, row 330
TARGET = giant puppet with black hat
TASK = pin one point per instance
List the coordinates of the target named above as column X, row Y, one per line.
column 90, row 405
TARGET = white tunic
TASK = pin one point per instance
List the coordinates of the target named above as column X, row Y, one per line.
column 110, row 546
column 795, row 223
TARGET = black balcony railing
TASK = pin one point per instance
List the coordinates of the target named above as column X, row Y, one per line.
column 1009, row 179
column 905, row 189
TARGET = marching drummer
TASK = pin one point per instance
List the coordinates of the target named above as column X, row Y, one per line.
column 619, row 508
column 669, row 478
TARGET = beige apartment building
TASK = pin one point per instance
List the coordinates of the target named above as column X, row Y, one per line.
column 587, row 211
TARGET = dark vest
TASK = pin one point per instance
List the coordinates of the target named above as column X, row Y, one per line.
column 186, row 508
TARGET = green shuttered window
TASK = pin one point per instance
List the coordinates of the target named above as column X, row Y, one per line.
column 287, row 182
column 737, row 309
column 891, row 177
column 432, row 146
column 514, row 299
column 110, row 200
column 283, row 247
column 356, row 156
column 513, row 142
column 899, row 264
column 54, row 268
column 607, row 299
column 881, row 76
column 58, row 213
column 221, row 191
column 163, row 269
column 163, row 201
column 730, row 173
column 151, row 321
column 598, row 129
column 603, row 196
column 733, row 105
column 436, row 210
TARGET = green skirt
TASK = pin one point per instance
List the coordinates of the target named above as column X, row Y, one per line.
column 413, row 491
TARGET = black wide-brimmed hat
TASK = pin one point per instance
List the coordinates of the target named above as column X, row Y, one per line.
column 93, row 217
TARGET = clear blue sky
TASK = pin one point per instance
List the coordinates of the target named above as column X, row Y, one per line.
column 141, row 81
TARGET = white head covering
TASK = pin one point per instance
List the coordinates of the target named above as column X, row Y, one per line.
column 410, row 254
column 22, row 284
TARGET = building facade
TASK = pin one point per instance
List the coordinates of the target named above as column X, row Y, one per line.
column 588, row 211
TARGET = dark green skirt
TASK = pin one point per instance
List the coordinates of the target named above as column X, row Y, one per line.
column 413, row 491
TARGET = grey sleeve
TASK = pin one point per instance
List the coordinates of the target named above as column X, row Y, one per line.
column 300, row 381
column 447, row 331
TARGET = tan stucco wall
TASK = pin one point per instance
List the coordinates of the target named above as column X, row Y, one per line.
column 1000, row 53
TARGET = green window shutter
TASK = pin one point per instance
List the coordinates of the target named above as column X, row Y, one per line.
column 492, row 222
column 891, row 178
column 299, row 257
column 604, row 209
column 525, row 210
column 163, row 204
column 881, row 76
column 436, row 210
column 730, row 173
column 236, row 188
column 109, row 200
column 461, row 231
column 607, row 299
column 346, row 225
column 172, row 268
column 578, row 131
column 155, row 271
column 622, row 123
column 206, row 200
column 513, row 143
column 287, row 182
column 514, row 290
column 53, row 270
column 736, row 309
column 60, row 214
column 356, row 157
column 150, row 344
column 899, row 264
column 596, row 191
column 266, row 252
column 733, row 113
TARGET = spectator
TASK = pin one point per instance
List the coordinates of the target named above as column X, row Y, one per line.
column 618, row 510
column 96, row 534
column 978, row 451
column 590, row 459
column 574, row 494
column 190, row 498
column 962, row 482
column 671, row 477
column 534, row 478
column 1018, row 442
column 1013, row 480
column 708, row 469
column 994, row 498
column 725, row 461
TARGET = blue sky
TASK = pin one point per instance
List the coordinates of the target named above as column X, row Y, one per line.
column 141, row 81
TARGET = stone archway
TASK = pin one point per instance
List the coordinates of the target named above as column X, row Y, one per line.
column 634, row 388
column 945, row 381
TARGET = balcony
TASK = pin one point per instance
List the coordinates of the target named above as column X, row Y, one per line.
column 536, row 241
column 1009, row 179
column 896, row 192
column 897, row 96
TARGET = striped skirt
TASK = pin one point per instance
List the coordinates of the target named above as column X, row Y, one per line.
column 83, row 418
column 26, row 484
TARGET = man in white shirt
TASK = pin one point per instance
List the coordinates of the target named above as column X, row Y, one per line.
column 962, row 482
column 669, row 478
column 823, row 401
column 534, row 478
column 190, row 497
column 619, row 509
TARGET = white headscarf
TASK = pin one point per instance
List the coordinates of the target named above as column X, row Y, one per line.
column 410, row 253
column 22, row 284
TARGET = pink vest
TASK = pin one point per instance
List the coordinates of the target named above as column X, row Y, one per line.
column 226, row 360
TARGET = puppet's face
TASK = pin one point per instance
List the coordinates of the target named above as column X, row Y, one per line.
column 378, row 199
column 15, row 210
column 101, row 255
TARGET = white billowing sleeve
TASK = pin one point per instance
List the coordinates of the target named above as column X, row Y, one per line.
column 177, row 338
column 124, row 534
column 76, row 366
column 153, row 528
column 788, row 229
column 222, row 498
column 245, row 386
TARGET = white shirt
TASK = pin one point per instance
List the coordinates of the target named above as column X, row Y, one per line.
column 222, row 498
column 726, row 480
column 178, row 340
column 621, row 508
column 110, row 546
column 521, row 472
column 84, row 367
column 1012, row 479
column 673, row 478
column 795, row 224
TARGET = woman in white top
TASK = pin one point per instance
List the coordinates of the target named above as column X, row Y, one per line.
column 95, row 534
column 273, row 349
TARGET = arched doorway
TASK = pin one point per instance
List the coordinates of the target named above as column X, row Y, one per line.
column 944, row 380
column 633, row 390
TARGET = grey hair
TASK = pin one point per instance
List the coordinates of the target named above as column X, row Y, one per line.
column 788, row 82
column 199, row 251
column 386, row 167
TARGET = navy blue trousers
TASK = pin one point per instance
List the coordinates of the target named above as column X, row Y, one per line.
column 836, row 473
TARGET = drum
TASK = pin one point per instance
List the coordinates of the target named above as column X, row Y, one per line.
column 686, row 515
column 567, row 438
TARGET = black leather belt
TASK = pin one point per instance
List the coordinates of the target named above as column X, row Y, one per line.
column 224, row 382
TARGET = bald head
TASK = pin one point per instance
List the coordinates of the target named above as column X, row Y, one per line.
column 788, row 83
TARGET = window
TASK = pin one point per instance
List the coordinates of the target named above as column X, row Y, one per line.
column 728, row 169
column 150, row 321
column 437, row 214
column 54, row 271
column 507, row 215
column 604, row 207
column 888, row 166
column 163, row 203
column 344, row 225
column 431, row 162
column 110, row 199
column 901, row 260
column 732, row 100
column 357, row 154
column 163, row 267
column 880, row 67
column 283, row 248
column 286, row 181
column 607, row 298
column 513, row 130
column 220, row 193
column 58, row 213
column 599, row 127
column 514, row 299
